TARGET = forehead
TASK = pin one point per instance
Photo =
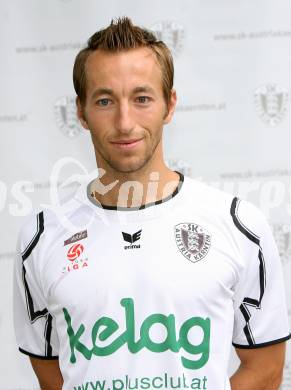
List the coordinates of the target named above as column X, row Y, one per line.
column 125, row 68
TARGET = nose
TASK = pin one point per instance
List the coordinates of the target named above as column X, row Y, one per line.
column 124, row 121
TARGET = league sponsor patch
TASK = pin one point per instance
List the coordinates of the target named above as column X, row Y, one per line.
column 76, row 258
column 75, row 251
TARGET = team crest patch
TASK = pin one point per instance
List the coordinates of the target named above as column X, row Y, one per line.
column 192, row 240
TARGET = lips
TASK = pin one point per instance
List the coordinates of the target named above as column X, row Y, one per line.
column 126, row 144
column 130, row 141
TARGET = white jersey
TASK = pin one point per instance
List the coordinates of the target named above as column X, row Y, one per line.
column 150, row 298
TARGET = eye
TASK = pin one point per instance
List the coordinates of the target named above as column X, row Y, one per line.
column 143, row 99
column 103, row 102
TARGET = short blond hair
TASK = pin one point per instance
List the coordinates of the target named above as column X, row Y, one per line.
column 120, row 35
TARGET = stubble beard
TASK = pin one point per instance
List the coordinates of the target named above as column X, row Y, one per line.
column 133, row 166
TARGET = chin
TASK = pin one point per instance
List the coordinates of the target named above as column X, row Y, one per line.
column 128, row 167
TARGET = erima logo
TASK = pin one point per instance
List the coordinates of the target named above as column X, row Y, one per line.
column 131, row 238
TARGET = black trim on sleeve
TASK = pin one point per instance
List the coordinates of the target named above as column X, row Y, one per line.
column 47, row 335
column 38, row 356
column 35, row 315
column 248, row 301
column 273, row 342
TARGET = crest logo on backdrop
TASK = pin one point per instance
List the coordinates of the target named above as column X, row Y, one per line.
column 170, row 32
column 271, row 103
column 177, row 164
column 282, row 235
column 66, row 116
column 286, row 385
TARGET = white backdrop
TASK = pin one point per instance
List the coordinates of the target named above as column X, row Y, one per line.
column 231, row 128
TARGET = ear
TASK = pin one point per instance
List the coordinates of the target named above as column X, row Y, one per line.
column 171, row 107
column 80, row 113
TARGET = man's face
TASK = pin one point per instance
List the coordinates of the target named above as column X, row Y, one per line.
column 125, row 109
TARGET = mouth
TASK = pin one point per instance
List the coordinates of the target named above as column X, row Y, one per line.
column 126, row 144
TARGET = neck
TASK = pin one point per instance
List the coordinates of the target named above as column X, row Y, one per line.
column 133, row 189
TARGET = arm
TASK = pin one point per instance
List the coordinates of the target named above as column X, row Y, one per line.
column 35, row 329
column 260, row 368
column 260, row 310
column 48, row 373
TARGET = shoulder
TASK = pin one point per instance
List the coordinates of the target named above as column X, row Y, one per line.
column 241, row 214
column 249, row 220
column 47, row 225
column 207, row 197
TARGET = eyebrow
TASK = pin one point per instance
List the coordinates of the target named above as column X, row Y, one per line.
column 144, row 88
column 108, row 91
column 102, row 91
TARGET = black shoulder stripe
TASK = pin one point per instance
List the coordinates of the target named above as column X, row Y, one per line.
column 35, row 239
column 250, row 301
column 233, row 211
column 33, row 315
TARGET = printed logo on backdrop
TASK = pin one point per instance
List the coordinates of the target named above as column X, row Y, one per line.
column 7, row 256
column 192, row 240
column 286, row 384
column 271, row 103
column 182, row 166
column 12, row 118
column 66, row 116
column 170, row 32
column 282, row 235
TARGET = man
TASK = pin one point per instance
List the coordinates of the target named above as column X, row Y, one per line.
column 163, row 273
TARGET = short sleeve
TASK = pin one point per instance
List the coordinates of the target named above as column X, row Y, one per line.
column 34, row 326
column 261, row 316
